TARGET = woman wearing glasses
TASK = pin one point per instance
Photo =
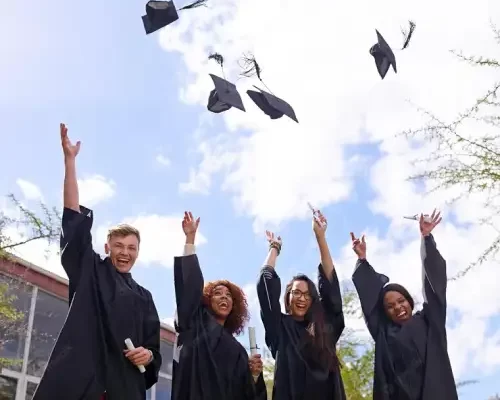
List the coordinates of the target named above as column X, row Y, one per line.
column 303, row 340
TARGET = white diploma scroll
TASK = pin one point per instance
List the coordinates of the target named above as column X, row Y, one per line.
column 316, row 215
column 253, row 344
column 130, row 346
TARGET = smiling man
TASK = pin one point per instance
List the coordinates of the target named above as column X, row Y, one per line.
column 90, row 360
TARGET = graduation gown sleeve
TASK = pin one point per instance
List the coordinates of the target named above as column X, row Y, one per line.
column 434, row 281
column 75, row 244
column 369, row 284
column 188, row 281
column 331, row 299
column 268, row 292
column 152, row 343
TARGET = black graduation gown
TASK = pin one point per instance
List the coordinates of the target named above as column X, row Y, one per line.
column 294, row 377
column 411, row 361
column 209, row 363
column 106, row 307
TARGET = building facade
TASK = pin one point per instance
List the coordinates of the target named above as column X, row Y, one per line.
column 41, row 298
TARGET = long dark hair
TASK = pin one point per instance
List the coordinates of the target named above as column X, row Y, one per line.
column 318, row 345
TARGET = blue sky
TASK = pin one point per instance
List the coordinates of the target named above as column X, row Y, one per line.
column 134, row 99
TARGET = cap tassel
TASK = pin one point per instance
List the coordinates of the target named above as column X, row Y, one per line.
column 252, row 68
column 196, row 4
column 408, row 34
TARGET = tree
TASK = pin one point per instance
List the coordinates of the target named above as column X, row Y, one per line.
column 464, row 159
column 28, row 227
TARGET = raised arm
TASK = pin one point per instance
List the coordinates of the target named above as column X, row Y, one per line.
column 76, row 239
column 188, row 278
column 433, row 271
column 268, row 292
column 328, row 283
column 369, row 285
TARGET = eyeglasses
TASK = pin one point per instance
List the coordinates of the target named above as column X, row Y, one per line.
column 297, row 294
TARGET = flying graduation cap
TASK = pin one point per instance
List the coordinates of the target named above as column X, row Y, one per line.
column 159, row 14
column 383, row 54
column 267, row 102
column 225, row 95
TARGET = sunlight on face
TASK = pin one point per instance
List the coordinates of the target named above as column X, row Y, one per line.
column 221, row 302
column 300, row 300
column 123, row 251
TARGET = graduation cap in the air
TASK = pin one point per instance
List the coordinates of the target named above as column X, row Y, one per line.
column 383, row 54
column 267, row 102
column 225, row 95
column 162, row 13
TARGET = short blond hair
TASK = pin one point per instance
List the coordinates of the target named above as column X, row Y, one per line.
column 124, row 230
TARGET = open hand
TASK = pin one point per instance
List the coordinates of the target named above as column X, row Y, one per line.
column 70, row 150
column 138, row 356
column 189, row 224
column 255, row 364
column 272, row 239
column 428, row 224
column 319, row 224
column 359, row 246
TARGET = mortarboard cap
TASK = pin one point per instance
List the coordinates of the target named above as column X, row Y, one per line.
column 158, row 15
column 224, row 96
column 271, row 105
column 384, row 56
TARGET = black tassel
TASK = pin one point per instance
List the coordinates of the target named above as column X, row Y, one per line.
column 407, row 34
column 250, row 67
column 218, row 59
column 197, row 3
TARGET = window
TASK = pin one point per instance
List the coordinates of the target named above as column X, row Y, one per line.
column 30, row 390
column 7, row 388
column 50, row 315
column 163, row 389
column 167, row 352
column 16, row 295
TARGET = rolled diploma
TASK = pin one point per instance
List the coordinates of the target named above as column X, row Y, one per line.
column 253, row 344
column 130, row 346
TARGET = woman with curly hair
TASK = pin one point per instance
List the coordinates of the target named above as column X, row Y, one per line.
column 303, row 340
column 209, row 363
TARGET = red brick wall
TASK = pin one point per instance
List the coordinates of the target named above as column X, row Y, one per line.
column 51, row 285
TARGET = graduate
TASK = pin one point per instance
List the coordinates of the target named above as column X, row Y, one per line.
column 411, row 357
column 209, row 363
column 303, row 341
column 90, row 360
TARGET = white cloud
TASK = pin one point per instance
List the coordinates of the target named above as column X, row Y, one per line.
column 30, row 190
column 95, row 189
column 317, row 59
column 162, row 237
column 163, row 160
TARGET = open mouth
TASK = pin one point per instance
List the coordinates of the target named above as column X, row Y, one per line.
column 122, row 260
column 223, row 305
column 301, row 307
column 402, row 314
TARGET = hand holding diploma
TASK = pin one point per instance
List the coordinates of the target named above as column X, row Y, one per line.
column 254, row 362
column 138, row 356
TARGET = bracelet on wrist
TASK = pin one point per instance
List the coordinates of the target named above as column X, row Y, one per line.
column 275, row 245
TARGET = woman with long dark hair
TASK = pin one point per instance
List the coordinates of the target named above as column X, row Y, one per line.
column 411, row 357
column 303, row 341
column 209, row 363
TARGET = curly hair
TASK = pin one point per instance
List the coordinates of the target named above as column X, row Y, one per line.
column 239, row 315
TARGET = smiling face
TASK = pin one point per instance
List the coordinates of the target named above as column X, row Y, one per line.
column 123, row 251
column 221, row 302
column 299, row 299
column 397, row 307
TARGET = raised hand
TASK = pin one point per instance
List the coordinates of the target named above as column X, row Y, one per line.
column 190, row 226
column 319, row 224
column 70, row 150
column 359, row 246
column 428, row 224
column 272, row 239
